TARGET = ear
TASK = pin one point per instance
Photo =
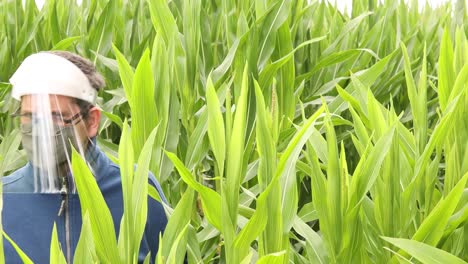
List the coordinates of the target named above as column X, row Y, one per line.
column 92, row 122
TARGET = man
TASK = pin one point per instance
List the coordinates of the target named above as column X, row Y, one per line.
column 58, row 92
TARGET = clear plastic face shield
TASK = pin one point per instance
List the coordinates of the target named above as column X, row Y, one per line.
column 51, row 121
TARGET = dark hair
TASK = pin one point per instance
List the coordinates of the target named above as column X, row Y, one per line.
column 87, row 67
column 84, row 107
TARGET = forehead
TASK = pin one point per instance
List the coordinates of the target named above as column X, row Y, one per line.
column 55, row 102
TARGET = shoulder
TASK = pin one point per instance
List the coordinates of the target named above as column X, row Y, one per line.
column 20, row 180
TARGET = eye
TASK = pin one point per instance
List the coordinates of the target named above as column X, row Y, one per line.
column 56, row 117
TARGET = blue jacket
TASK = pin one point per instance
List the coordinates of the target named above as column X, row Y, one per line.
column 28, row 217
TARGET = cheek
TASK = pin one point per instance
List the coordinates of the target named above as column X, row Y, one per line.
column 81, row 132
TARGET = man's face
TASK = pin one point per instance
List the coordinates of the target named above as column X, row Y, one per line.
column 63, row 112
column 49, row 123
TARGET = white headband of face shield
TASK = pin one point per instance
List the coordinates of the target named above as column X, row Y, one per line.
column 46, row 73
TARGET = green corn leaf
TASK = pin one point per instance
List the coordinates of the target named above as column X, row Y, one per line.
column 162, row 18
column 211, row 200
column 308, row 212
column 126, row 74
column 216, row 132
column 432, row 229
column 159, row 257
column 269, row 72
column 65, row 43
column 350, row 25
column 287, row 164
column 376, row 115
column 423, row 252
column 126, row 171
column 85, row 249
column 224, row 66
column 367, row 77
column 334, row 184
column 114, row 118
column 440, row 132
column 53, row 24
column 235, row 150
column 92, row 201
column 8, row 148
column 359, row 127
column 31, row 27
column 365, row 175
column 198, row 146
column 139, row 191
column 459, row 50
column 20, row 252
column 56, row 254
column 100, row 36
column 259, row 219
column 354, row 103
column 455, row 221
column 273, row 258
column 274, row 19
column 194, row 249
column 144, row 113
column 460, row 83
column 147, row 259
column 446, row 71
column 329, row 60
column 175, row 255
column 316, row 247
column 272, row 240
column 421, row 105
column 177, row 225
column 319, row 144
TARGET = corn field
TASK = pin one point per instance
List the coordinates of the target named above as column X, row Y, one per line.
column 281, row 131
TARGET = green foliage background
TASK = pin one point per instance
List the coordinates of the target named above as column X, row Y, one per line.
column 280, row 130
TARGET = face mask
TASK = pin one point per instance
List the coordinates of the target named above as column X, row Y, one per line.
column 48, row 150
